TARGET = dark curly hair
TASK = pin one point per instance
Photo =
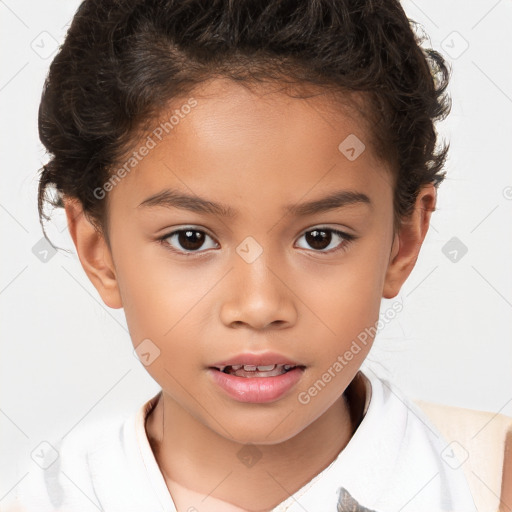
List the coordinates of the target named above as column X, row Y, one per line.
column 124, row 61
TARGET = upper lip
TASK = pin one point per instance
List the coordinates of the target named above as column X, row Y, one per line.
column 261, row 359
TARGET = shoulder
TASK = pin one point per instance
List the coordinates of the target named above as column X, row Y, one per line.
column 419, row 457
column 479, row 438
column 506, row 484
column 63, row 473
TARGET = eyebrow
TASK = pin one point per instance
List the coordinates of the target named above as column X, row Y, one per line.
column 173, row 199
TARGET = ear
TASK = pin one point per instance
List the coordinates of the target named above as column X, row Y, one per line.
column 94, row 253
column 408, row 241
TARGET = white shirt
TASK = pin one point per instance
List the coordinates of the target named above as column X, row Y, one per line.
column 393, row 462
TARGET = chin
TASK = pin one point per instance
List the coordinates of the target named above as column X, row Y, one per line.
column 261, row 431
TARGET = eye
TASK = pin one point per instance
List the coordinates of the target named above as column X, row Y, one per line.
column 188, row 240
column 191, row 240
column 327, row 239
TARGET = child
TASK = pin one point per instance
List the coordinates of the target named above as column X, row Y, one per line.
column 247, row 180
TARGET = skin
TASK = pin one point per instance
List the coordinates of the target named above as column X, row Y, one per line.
column 255, row 153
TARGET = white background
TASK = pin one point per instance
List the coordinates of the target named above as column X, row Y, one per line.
column 67, row 359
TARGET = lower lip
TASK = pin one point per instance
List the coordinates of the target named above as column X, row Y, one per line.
column 256, row 389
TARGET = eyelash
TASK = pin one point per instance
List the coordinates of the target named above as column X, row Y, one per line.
column 347, row 240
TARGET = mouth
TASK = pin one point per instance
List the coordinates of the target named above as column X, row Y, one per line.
column 251, row 371
column 259, row 382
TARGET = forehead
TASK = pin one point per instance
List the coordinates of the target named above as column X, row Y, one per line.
column 239, row 116
column 235, row 141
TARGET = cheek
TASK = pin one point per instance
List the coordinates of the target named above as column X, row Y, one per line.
column 159, row 302
column 345, row 297
column 164, row 302
column 157, row 292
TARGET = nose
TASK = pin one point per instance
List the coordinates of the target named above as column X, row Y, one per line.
column 257, row 296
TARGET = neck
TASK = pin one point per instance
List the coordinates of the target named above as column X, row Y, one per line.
column 194, row 456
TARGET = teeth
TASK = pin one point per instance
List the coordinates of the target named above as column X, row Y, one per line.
column 255, row 368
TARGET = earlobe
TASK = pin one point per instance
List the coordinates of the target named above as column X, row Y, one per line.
column 408, row 241
column 93, row 253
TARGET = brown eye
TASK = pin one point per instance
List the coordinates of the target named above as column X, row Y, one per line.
column 191, row 240
column 188, row 240
column 318, row 239
column 326, row 239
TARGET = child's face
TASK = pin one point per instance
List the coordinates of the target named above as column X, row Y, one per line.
column 259, row 280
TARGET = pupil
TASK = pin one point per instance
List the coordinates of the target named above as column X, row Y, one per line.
column 191, row 239
column 318, row 239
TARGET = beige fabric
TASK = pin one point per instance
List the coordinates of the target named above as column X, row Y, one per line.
column 506, row 489
column 478, row 439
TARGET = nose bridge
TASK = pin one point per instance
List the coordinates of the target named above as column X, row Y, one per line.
column 257, row 297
